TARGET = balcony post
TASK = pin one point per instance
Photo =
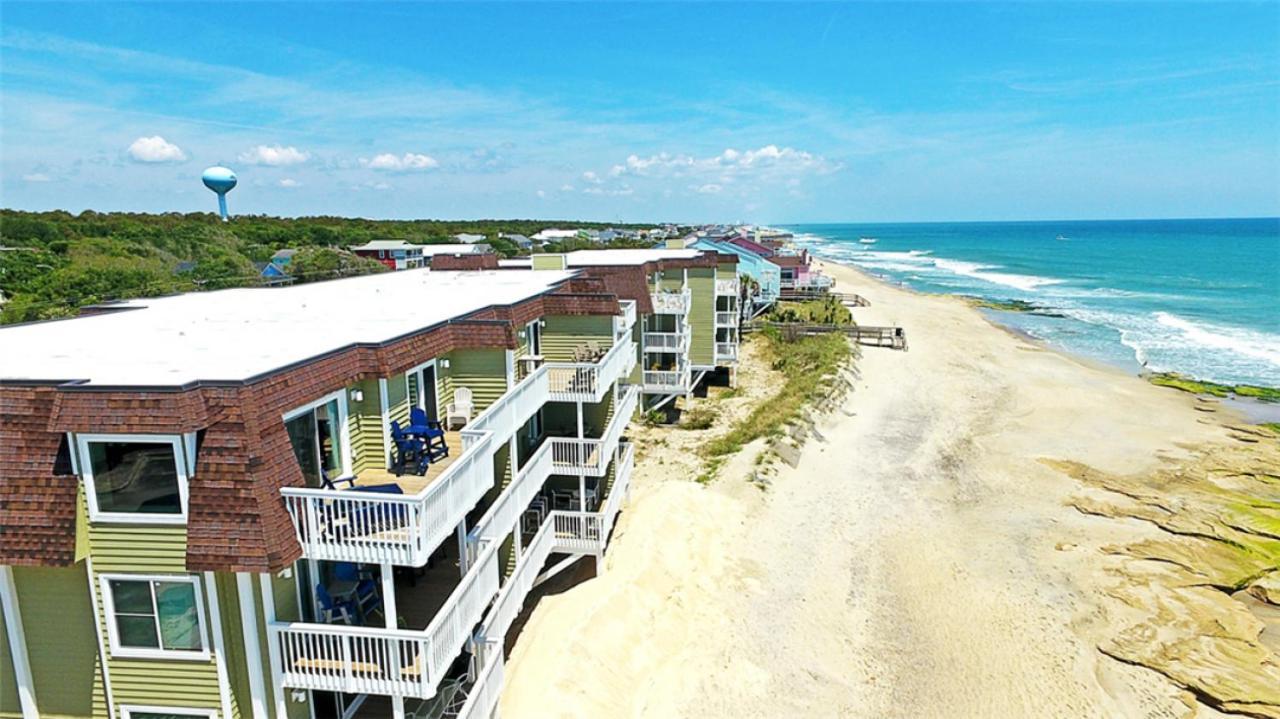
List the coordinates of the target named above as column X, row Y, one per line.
column 582, row 462
column 389, row 617
column 462, row 546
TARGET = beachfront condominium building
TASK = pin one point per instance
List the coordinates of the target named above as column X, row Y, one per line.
column 761, row 278
column 692, row 325
column 327, row 500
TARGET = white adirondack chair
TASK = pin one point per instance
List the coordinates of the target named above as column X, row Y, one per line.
column 460, row 408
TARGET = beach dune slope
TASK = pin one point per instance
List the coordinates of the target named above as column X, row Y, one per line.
column 940, row 554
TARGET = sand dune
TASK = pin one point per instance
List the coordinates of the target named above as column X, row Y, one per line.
column 924, row 561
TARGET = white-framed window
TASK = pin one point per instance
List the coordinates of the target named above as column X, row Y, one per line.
column 320, row 438
column 134, row 711
column 157, row 616
column 136, row 478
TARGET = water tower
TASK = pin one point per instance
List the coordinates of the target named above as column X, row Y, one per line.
column 220, row 180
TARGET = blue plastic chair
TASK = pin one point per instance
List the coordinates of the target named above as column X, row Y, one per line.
column 431, row 432
column 346, row 610
column 410, row 454
column 367, row 598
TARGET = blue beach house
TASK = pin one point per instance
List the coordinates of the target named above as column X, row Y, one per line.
column 767, row 275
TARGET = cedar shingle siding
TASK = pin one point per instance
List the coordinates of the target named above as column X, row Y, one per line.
column 237, row 519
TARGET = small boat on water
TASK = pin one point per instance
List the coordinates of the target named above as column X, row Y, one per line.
column 867, row 240
column 1061, row 237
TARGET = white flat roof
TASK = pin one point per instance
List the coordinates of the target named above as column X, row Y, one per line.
column 595, row 258
column 237, row 334
column 386, row 245
column 480, row 248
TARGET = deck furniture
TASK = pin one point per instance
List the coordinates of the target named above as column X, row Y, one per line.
column 326, row 482
column 460, row 408
column 363, row 592
column 372, row 519
column 331, row 609
column 430, row 432
column 411, row 454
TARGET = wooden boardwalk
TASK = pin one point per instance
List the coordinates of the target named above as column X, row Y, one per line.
column 891, row 337
column 848, row 299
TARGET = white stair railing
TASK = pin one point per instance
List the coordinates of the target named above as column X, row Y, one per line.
column 482, row 700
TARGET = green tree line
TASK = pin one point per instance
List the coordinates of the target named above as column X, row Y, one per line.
column 53, row 263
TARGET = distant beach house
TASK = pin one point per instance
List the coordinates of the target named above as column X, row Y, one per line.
column 282, row 258
column 396, row 254
column 766, row 275
column 272, row 273
column 520, row 241
column 430, row 251
column 466, row 238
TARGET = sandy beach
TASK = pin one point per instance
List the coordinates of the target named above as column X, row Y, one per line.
column 933, row 554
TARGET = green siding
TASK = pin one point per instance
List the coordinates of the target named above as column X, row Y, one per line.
column 564, row 334
column 57, row 618
column 702, row 316
column 364, row 419
column 671, row 280
column 398, row 400
column 548, row 262
column 483, row 371
column 9, row 705
column 726, row 270
column 137, row 549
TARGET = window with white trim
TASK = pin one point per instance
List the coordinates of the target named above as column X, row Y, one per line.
column 141, row 712
column 135, row 478
column 319, row 436
column 155, row 616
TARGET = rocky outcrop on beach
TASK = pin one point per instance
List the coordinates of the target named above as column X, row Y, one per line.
column 1204, row 595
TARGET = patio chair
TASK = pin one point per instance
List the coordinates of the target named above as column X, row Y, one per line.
column 410, row 454
column 431, row 433
column 460, row 408
column 328, row 483
column 331, row 609
column 366, row 597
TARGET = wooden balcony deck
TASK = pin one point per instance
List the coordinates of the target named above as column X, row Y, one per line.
column 411, row 483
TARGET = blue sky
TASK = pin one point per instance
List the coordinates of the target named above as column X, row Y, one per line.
column 718, row 112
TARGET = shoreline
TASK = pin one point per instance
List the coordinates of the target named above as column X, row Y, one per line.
column 1253, row 410
column 932, row 553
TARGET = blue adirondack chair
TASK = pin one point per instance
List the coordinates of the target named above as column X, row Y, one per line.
column 410, row 455
column 430, row 432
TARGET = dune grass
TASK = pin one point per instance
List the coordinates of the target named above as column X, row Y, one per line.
column 807, row 365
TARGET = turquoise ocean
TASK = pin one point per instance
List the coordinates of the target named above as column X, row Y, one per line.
column 1200, row 297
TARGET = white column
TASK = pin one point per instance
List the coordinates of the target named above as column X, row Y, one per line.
column 582, row 458
column 462, row 546
column 273, row 648
column 17, row 644
column 389, row 614
column 221, row 658
column 252, row 648
column 385, row 407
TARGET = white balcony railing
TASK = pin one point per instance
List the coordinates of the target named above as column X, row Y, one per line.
column 727, row 288
column 666, row 380
column 502, row 515
column 727, row 351
column 590, row 381
column 676, row 342
column 482, row 700
column 394, row 662
column 387, row 528
column 727, row 319
column 570, row 455
column 511, row 599
column 577, row 532
column 618, row 490
column 405, row 530
column 671, row 303
column 623, row 323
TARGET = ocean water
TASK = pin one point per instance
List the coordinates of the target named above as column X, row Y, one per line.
column 1201, row 297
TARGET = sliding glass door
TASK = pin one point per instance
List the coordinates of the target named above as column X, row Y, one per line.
column 421, row 383
column 316, row 436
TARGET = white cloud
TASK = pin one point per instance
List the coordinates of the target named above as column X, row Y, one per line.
column 623, row 191
column 156, row 149
column 566, row 187
column 290, row 182
column 768, row 161
column 275, row 156
column 408, row 161
column 36, row 177
column 542, row 193
column 708, row 189
column 591, row 177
